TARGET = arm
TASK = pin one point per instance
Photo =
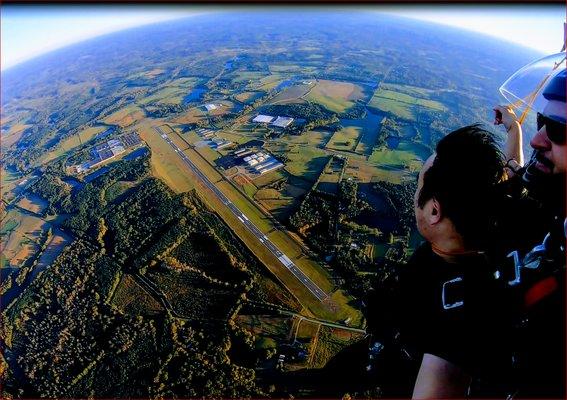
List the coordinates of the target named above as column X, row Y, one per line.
column 440, row 379
column 506, row 117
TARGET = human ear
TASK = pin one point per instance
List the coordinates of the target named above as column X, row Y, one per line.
column 435, row 214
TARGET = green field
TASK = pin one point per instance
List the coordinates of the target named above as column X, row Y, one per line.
column 345, row 139
column 248, row 97
column 335, row 96
column 408, row 154
column 165, row 163
column 305, row 162
column 402, row 104
column 172, row 93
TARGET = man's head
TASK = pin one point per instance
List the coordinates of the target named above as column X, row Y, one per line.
column 549, row 141
column 456, row 187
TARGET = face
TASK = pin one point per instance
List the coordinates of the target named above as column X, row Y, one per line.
column 551, row 156
column 422, row 213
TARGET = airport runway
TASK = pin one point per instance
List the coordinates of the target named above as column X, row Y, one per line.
column 308, row 283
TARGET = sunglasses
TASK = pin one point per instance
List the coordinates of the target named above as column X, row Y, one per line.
column 555, row 130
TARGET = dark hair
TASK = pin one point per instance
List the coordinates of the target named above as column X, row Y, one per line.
column 463, row 178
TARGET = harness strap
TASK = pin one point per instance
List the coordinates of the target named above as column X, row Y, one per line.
column 540, row 290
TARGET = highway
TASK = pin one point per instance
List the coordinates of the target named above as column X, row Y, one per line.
column 304, row 279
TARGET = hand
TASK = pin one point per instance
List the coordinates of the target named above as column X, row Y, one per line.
column 505, row 115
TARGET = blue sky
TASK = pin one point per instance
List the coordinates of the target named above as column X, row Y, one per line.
column 30, row 30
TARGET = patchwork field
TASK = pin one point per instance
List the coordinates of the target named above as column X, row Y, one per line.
column 266, row 83
column 192, row 116
column 345, row 139
column 303, row 162
column 248, row 97
column 173, row 93
column 33, row 203
column 13, row 134
column 20, row 236
column 335, row 96
column 398, row 102
column 407, row 155
column 125, row 116
column 292, row 94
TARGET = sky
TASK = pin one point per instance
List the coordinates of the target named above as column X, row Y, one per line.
column 30, row 30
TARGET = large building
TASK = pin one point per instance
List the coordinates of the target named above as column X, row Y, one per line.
column 263, row 119
column 282, row 122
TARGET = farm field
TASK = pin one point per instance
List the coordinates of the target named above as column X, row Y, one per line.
column 172, row 93
column 335, row 96
column 370, row 125
column 292, row 94
column 402, row 105
column 345, row 139
column 20, row 236
column 248, row 97
column 126, row 116
column 193, row 115
column 33, row 203
column 266, row 83
column 407, row 154
column 12, row 136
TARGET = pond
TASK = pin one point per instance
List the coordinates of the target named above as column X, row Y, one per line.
column 194, row 95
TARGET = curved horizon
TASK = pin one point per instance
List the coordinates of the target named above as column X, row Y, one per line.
column 141, row 16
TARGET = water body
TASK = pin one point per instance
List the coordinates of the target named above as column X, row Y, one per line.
column 285, row 84
column 393, row 142
column 194, row 95
column 93, row 175
column 228, row 65
column 142, row 151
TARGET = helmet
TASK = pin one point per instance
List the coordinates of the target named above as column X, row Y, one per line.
column 531, row 87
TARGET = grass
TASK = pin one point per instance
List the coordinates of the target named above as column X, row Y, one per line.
column 246, row 76
column 266, row 84
column 370, row 125
column 402, row 104
column 291, row 94
column 71, row 143
column 33, row 203
column 172, row 93
column 366, row 173
column 165, row 163
column 13, row 135
column 303, row 162
column 192, row 115
column 20, row 236
column 209, row 154
column 335, row 96
column 345, row 139
column 248, row 97
column 125, row 116
column 408, row 155
column 310, row 138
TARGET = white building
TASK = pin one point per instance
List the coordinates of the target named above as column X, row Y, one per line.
column 263, row 119
column 282, row 122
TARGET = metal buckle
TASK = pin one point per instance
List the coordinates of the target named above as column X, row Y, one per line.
column 456, row 303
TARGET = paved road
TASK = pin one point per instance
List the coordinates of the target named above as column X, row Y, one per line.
column 308, row 283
